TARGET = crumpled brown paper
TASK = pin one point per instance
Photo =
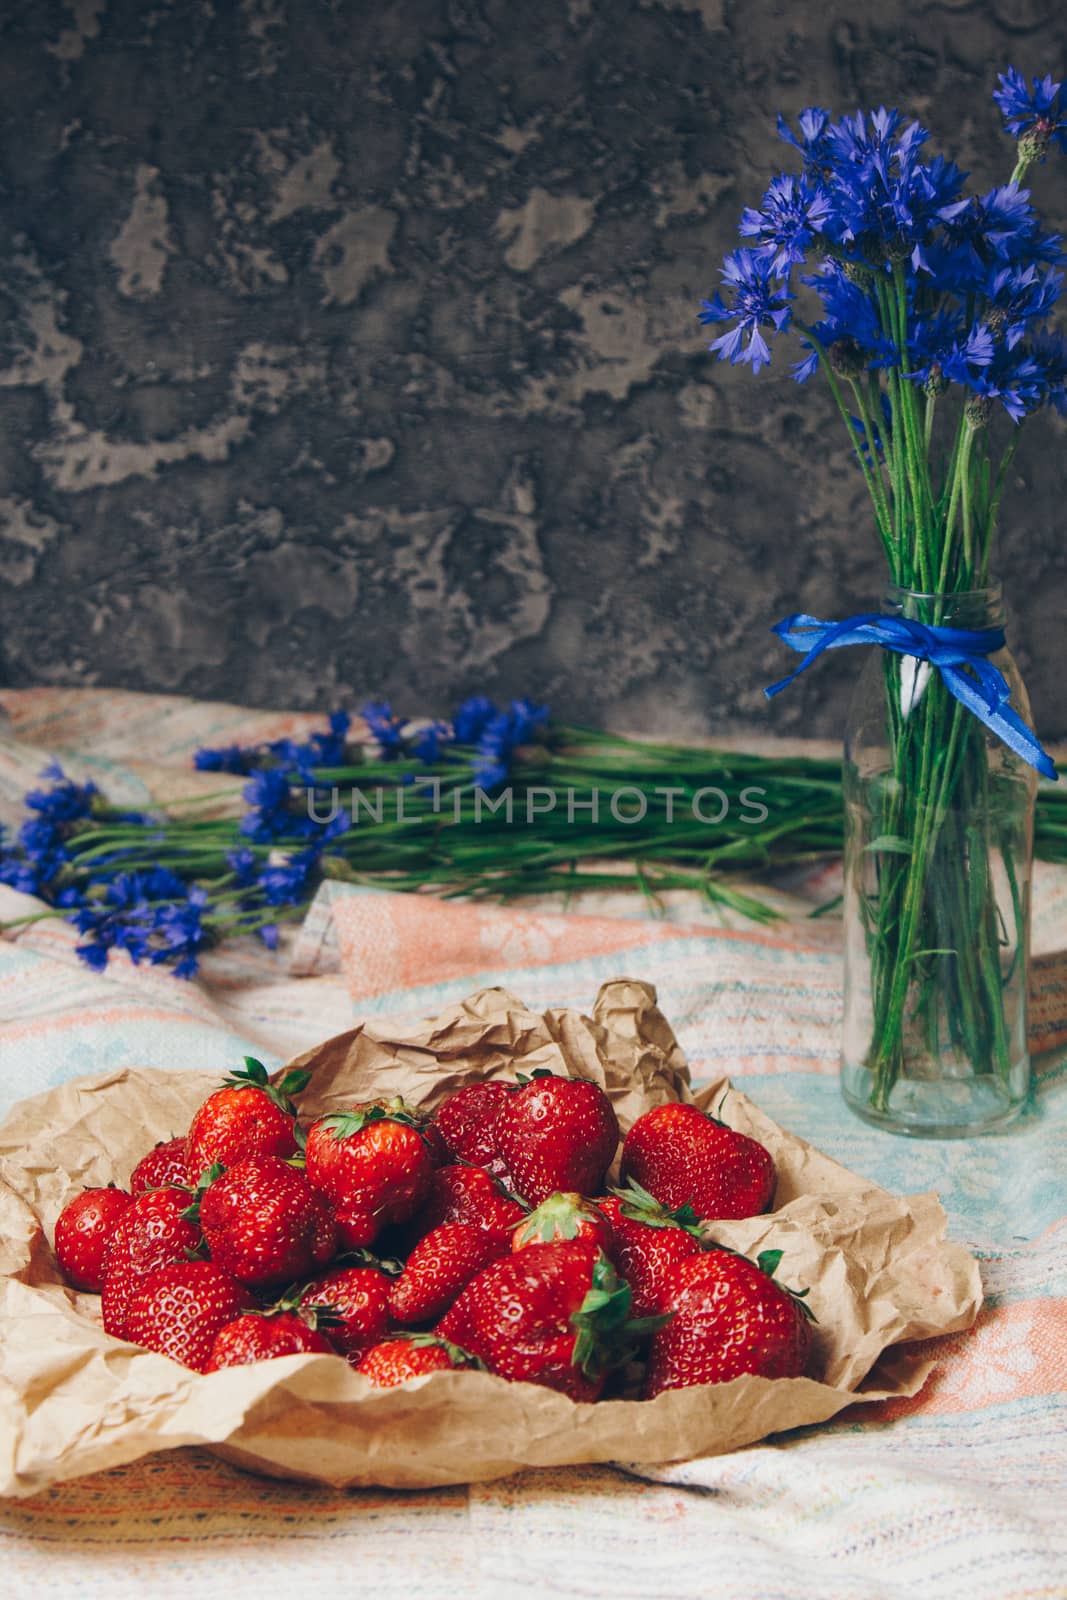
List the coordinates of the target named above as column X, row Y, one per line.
column 73, row 1400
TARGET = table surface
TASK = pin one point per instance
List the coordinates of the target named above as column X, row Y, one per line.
column 960, row 1490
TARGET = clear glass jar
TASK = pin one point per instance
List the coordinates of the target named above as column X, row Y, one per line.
column 938, row 850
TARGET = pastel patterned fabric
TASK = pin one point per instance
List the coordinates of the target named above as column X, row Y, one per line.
column 961, row 1491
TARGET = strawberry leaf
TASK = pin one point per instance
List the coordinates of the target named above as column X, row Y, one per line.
column 456, row 1354
column 640, row 1206
column 359, row 1256
column 767, row 1261
column 344, row 1124
column 255, row 1076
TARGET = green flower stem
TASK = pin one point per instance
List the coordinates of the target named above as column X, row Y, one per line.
column 884, row 526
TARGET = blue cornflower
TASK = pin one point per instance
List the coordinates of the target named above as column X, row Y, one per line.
column 226, row 758
column 814, row 142
column 135, row 912
column 1036, row 114
column 288, row 882
column 1048, row 350
column 792, row 212
column 66, row 801
column 502, row 735
column 179, row 933
column 849, row 322
column 429, row 742
column 1018, row 295
column 1013, row 377
column 985, row 232
column 28, row 874
column 885, row 202
column 387, row 729
column 269, row 816
column 756, row 305
column 319, row 750
column 943, row 348
column 244, row 864
column 471, row 719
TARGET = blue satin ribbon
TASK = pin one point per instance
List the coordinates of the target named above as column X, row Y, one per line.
column 959, row 654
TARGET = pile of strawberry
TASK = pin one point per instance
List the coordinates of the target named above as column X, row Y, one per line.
column 494, row 1243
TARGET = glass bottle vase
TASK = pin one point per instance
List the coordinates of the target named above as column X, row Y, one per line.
column 938, row 852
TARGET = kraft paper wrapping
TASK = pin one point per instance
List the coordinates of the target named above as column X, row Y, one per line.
column 73, row 1400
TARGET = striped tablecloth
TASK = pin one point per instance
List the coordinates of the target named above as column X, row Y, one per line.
column 960, row 1491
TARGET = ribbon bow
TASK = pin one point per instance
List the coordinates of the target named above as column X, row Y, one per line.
column 959, row 654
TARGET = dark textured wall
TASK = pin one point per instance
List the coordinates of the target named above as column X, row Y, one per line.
column 352, row 349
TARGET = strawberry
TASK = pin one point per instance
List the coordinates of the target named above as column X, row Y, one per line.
column 359, row 1296
column 372, row 1165
column 264, row 1223
column 264, row 1336
column 84, row 1230
column 557, row 1133
column 686, row 1158
column 162, row 1167
column 728, row 1318
column 466, row 1122
column 248, row 1116
column 178, row 1310
column 649, row 1242
column 470, row 1194
column 396, row 1360
column 565, row 1216
column 551, row 1314
column 439, row 1267
column 154, row 1231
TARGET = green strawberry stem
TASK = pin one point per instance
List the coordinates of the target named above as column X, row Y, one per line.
column 607, row 1336
column 205, row 1180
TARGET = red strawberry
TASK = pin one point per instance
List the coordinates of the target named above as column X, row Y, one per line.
column 264, row 1223
column 649, row 1242
column 686, row 1158
column 178, row 1310
column 248, row 1116
column 84, row 1229
column 552, row 1314
column 154, row 1231
column 160, row 1168
column 409, row 1357
column 360, row 1298
column 372, row 1165
column 470, row 1194
column 466, row 1122
column 264, row 1336
column 729, row 1318
column 441, row 1264
column 557, row 1133
column 565, row 1216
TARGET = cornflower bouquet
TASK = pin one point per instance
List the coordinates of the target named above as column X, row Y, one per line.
column 930, row 326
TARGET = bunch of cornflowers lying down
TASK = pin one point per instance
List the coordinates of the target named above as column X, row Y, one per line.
column 163, row 887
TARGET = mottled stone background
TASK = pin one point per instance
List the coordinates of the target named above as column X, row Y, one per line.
column 351, row 349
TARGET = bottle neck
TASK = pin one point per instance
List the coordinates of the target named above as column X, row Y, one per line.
column 970, row 608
